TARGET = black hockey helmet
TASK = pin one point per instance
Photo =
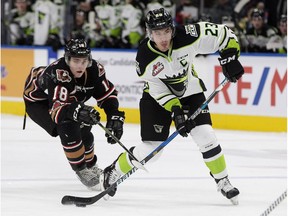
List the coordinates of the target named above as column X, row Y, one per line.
column 77, row 48
column 158, row 19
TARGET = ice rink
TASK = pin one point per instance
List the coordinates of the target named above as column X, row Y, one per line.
column 35, row 175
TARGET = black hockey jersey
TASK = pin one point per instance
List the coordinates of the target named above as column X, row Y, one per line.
column 56, row 84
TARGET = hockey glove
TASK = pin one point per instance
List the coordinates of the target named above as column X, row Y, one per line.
column 86, row 114
column 232, row 68
column 114, row 124
column 180, row 117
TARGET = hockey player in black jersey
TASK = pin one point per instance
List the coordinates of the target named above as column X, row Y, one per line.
column 55, row 99
column 173, row 91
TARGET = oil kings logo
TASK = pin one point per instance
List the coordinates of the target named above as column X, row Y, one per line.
column 157, row 68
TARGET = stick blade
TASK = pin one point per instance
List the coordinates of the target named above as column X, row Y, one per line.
column 78, row 201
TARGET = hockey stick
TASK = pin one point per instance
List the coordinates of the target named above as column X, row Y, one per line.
column 135, row 162
column 83, row 201
column 275, row 204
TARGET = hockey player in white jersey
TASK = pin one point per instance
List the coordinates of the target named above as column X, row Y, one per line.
column 48, row 21
column 109, row 18
column 20, row 23
column 131, row 16
column 173, row 91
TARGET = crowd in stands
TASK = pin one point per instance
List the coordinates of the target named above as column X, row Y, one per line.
column 120, row 23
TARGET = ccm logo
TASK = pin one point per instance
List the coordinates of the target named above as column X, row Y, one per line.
column 227, row 60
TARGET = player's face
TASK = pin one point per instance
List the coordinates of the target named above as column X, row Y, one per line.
column 162, row 38
column 257, row 22
column 283, row 28
column 78, row 66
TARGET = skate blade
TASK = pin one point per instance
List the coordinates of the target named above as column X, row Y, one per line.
column 234, row 200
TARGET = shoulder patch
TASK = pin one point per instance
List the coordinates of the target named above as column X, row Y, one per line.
column 101, row 69
column 138, row 68
column 63, row 75
column 191, row 29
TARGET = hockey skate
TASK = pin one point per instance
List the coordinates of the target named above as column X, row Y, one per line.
column 228, row 190
column 90, row 178
column 110, row 176
column 98, row 172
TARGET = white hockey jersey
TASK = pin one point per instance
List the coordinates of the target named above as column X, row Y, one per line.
column 47, row 20
column 171, row 76
column 131, row 18
column 109, row 18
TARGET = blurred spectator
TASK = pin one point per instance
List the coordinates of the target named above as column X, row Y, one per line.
column 220, row 9
column 166, row 4
column 278, row 43
column 152, row 5
column 85, row 5
column 131, row 17
column 259, row 34
column 283, row 32
column 48, row 24
column 186, row 12
column 85, row 30
column 109, row 18
column 205, row 18
column 261, row 6
column 170, row 7
column 245, row 22
column 275, row 8
column 20, row 23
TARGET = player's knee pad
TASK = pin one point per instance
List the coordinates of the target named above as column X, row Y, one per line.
column 88, row 140
column 205, row 137
column 145, row 148
column 69, row 131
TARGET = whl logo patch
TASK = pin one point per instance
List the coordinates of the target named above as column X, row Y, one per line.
column 157, row 68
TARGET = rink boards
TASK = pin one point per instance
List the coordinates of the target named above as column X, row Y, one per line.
column 257, row 102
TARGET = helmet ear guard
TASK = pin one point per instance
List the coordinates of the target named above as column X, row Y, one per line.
column 77, row 48
column 158, row 19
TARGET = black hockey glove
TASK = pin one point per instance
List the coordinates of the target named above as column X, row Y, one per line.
column 86, row 114
column 114, row 124
column 180, row 116
column 232, row 68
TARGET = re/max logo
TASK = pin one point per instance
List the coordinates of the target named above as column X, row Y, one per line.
column 277, row 83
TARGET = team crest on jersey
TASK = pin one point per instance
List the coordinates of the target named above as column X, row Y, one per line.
column 157, row 68
column 101, row 69
column 63, row 75
column 191, row 29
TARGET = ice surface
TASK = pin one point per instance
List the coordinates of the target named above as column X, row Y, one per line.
column 36, row 175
